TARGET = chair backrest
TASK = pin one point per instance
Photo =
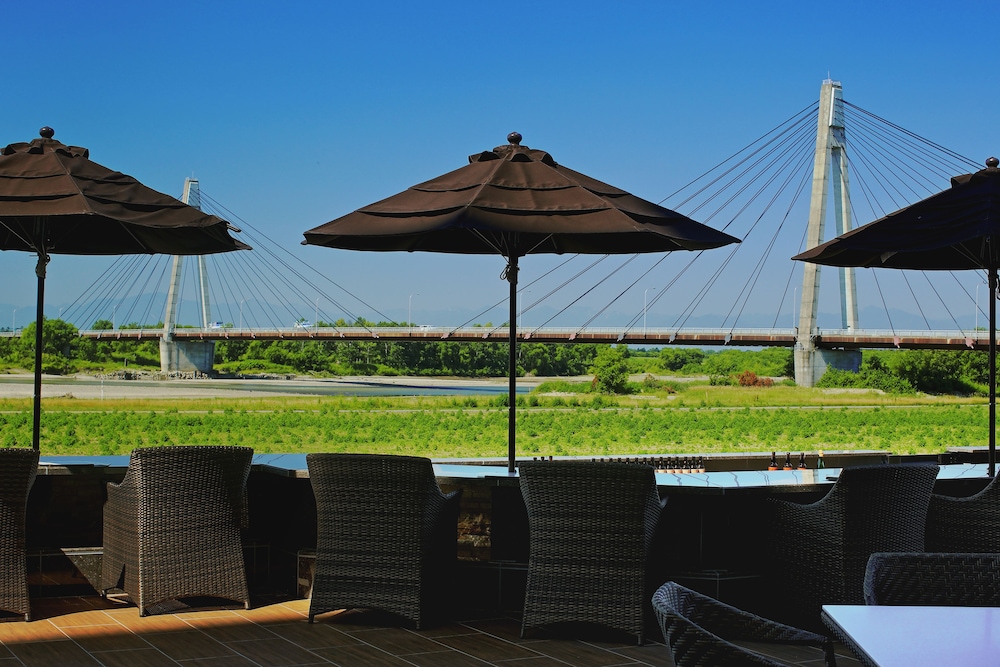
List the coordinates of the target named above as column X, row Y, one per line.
column 965, row 524
column 210, row 478
column 396, row 495
column 937, row 579
column 683, row 615
column 612, row 505
column 884, row 506
column 18, row 467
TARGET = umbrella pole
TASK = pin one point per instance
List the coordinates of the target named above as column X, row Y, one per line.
column 43, row 259
column 512, row 366
column 993, row 370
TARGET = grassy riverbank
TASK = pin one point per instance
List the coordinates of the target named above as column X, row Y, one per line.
column 694, row 419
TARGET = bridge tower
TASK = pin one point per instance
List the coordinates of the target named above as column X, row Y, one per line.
column 187, row 356
column 829, row 170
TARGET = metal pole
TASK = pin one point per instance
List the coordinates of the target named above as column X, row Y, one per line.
column 43, row 259
column 512, row 367
column 993, row 371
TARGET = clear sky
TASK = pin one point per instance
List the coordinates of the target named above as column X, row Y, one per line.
column 294, row 113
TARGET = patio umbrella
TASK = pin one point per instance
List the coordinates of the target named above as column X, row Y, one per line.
column 515, row 201
column 55, row 200
column 958, row 228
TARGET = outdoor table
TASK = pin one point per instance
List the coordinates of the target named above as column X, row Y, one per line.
column 890, row 636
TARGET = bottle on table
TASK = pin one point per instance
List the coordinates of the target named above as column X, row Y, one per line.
column 788, row 461
column 820, row 463
column 802, row 461
column 773, row 465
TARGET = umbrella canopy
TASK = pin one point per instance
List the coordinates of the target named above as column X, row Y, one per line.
column 515, row 201
column 55, row 200
column 958, row 228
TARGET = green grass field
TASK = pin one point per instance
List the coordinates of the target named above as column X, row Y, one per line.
column 688, row 420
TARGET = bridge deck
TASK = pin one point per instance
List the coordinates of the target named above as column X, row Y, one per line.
column 827, row 339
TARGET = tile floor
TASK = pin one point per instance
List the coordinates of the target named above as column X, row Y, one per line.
column 67, row 632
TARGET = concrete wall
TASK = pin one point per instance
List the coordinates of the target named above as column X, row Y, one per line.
column 187, row 356
column 811, row 364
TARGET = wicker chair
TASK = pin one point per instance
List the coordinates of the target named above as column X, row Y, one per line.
column 819, row 551
column 591, row 532
column 386, row 536
column 937, row 579
column 18, row 467
column 700, row 631
column 172, row 527
column 965, row 525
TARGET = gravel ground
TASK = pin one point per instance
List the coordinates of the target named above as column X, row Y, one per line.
column 90, row 387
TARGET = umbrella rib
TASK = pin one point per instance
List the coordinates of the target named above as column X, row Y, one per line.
column 27, row 241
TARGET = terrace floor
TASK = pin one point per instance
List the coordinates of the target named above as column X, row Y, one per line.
column 74, row 631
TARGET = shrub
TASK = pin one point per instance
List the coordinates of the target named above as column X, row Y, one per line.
column 751, row 379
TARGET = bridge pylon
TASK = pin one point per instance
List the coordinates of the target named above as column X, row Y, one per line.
column 829, row 172
column 188, row 355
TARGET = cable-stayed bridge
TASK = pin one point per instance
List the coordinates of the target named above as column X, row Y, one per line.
column 824, row 338
column 776, row 194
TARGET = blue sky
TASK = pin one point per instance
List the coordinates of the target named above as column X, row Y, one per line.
column 294, row 113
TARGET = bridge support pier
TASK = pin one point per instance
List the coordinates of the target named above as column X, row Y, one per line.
column 810, row 364
column 186, row 356
column 829, row 169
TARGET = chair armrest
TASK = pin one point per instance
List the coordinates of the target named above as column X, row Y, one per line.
column 727, row 621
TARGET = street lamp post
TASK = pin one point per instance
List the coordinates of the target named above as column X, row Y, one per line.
column 13, row 321
column 520, row 312
column 409, row 310
column 316, row 317
column 644, row 309
column 114, row 314
column 976, row 328
column 795, row 301
column 241, row 314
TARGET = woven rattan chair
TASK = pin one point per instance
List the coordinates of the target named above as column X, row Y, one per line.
column 18, row 467
column 386, row 536
column 172, row 527
column 937, row 579
column 591, row 532
column 819, row 551
column 965, row 525
column 700, row 631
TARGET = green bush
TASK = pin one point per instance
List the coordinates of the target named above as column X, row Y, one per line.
column 611, row 370
column 873, row 375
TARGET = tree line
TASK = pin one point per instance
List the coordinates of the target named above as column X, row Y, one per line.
column 894, row 371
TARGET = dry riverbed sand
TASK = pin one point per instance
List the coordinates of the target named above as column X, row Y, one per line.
column 92, row 387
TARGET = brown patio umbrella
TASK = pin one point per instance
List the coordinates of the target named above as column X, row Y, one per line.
column 55, row 200
column 515, row 201
column 958, row 228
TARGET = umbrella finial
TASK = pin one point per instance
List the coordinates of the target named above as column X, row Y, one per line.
column 47, row 132
column 514, row 138
column 991, row 163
